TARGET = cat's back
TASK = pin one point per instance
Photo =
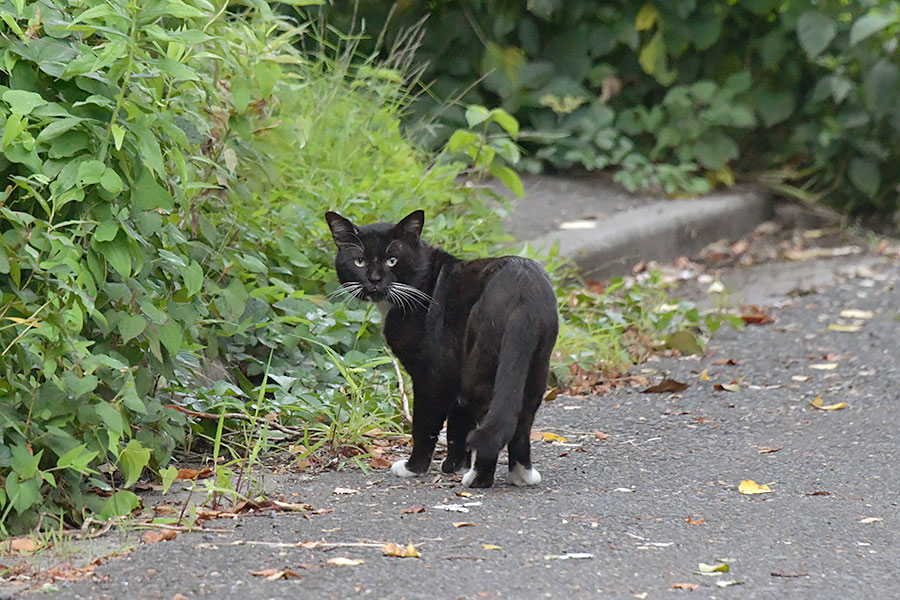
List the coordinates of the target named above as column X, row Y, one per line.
column 506, row 282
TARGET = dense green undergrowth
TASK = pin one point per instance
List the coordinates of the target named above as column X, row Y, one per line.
column 678, row 95
column 162, row 246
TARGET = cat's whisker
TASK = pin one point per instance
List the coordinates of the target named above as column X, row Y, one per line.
column 401, row 292
column 396, row 299
column 414, row 291
column 350, row 289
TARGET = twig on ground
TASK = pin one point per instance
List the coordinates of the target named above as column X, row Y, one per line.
column 292, row 432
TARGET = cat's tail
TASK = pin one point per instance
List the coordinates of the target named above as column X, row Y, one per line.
column 517, row 346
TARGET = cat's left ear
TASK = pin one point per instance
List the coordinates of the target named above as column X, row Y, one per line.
column 410, row 227
column 342, row 230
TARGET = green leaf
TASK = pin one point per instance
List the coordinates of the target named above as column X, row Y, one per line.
column 148, row 147
column 868, row 25
column 117, row 255
column 23, row 462
column 90, row 172
column 131, row 326
column 106, row 231
column 506, row 121
column 460, row 139
column 132, row 461
column 79, row 386
column 774, row 107
column 865, row 175
column 130, row 398
column 653, row 55
column 170, row 335
column 476, row 114
column 193, row 278
column 22, row 494
column 120, row 504
column 882, row 87
column 77, row 459
column 815, row 31
column 148, row 194
column 168, row 478
column 509, row 178
column 56, row 128
column 118, row 135
column 715, row 149
column 111, row 416
column 267, row 74
column 111, row 182
column 685, row 342
column 22, row 102
column 646, row 17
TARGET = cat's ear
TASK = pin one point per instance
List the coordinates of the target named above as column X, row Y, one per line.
column 342, row 230
column 410, row 227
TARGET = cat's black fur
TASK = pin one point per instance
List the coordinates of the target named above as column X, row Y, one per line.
column 474, row 336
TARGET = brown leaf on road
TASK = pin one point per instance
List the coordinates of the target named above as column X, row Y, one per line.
column 392, row 549
column 600, row 435
column 685, row 586
column 727, row 387
column 766, row 450
column 819, row 493
column 154, row 536
column 725, row 361
column 66, row 572
column 754, row 315
column 693, row 521
column 190, row 474
column 179, row 597
column 275, row 574
column 458, row 524
column 342, row 561
column 412, row 510
column 20, row 544
column 379, row 462
column 666, row 386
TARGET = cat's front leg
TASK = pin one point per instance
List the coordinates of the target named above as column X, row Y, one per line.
column 459, row 423
column 429, row 412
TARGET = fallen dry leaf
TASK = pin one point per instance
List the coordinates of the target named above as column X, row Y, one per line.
column 342, row 561
column 812, row 253
column 817, row 403
column 693, row 521
column 380, row 462
column 154, row 536
column 552, row 437
column 713, row 569
column 464, row 494
column 725, row 361
column 412, row 510
column 463, row 524
column 274, row 574
column 824, row 366
column 189, row 474
column 704, row 375
column 666, row 386
column 868, row 520
column 768, row 450
column 392, row 549
column 66, row 572
column 343, row 490
column 844, row 328
column 728, row 387
column 819, row 493
column 800, row 378
column 854, row 313
column 491, row 547
column 179, row 597
column 685, row 586
column 164, row 509
column 748, row 486
column 754, row 315
column 600, row 435
column 20, row 544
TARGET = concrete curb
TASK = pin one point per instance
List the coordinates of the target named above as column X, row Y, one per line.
column 660, row 230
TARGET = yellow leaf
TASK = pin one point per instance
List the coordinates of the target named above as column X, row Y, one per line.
column 704, row 375
column 491, row 547
column 646, row 17
column 844, row 328
column 817, row 403
column 341, row 561
column 392, row 549
column 552, row 437
column 748, row 486
column 854, row 313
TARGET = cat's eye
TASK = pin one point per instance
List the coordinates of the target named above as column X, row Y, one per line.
column 359, row 262
column 391, row 261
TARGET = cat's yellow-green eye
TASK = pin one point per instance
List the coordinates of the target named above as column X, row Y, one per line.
column 360, row 262
column 391, row 261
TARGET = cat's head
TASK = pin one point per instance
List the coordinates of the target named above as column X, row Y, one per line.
column 378, row 261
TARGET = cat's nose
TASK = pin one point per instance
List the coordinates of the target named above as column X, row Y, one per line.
column 374, row 277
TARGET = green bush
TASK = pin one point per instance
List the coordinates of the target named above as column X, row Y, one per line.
column 161, row 237
column 676, row 95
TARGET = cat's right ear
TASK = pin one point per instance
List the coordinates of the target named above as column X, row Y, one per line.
column 342, row 230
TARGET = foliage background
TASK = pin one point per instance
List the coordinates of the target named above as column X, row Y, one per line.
column 675, row 95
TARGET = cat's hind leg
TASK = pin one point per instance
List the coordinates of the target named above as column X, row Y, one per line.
column 521, row 471
column 481, row 473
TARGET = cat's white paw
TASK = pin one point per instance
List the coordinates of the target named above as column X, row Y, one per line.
column 399, row 469
column 520, row 476
column 468, row 478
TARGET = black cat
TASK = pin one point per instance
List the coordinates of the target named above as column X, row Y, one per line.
column 474, row 336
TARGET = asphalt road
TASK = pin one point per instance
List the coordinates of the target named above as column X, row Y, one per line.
column 643, row 507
